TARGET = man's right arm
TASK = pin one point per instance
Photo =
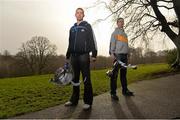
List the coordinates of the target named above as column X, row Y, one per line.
column 112, row 45
column 68, row 50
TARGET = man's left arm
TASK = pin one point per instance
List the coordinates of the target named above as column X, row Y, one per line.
column 93, row 43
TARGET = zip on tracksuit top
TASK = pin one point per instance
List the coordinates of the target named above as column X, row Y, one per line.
column 81, row 40
column 118, row 42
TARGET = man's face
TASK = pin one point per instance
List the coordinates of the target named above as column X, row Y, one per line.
column 79, row 14
column 120, row 23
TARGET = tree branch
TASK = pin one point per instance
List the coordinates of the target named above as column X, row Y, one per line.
column 174, row 24
column 163, row 6
column 167, row 1
column 163, row 21
column 177, row 10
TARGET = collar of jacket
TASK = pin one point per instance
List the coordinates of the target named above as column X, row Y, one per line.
column 119, row 29
column 81, row 23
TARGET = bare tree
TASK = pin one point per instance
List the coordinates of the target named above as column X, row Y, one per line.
column 145, row 18
column 36, row 52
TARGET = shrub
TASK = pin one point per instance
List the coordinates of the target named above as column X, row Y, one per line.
column 171, row 56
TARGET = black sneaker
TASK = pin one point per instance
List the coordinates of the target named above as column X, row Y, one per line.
column 128, row 93
column 115, row 97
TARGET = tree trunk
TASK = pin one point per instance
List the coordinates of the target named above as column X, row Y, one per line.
column 166, row 28
column 176, row 64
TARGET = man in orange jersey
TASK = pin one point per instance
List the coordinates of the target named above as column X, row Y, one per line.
column 119, row 51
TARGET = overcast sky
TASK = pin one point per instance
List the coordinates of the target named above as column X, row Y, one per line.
column 22, row 19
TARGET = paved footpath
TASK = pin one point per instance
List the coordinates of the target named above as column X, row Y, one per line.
column 158, row 98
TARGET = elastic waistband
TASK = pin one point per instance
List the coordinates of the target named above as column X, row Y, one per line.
column 120, row 53
column 78, row 54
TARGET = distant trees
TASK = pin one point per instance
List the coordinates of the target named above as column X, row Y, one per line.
column 13, row 66
column 138, row 56
column 5, row 62
column 102, row 63
column 38, row 56
column 35, row 56
column 35, row 53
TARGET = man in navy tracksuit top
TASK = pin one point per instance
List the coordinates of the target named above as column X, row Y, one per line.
column 81, row 43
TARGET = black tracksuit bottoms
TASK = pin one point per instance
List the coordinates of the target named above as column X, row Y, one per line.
column 123, row 72
column 81, row 63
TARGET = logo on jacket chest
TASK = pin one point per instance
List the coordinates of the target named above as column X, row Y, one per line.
column 82, row 30
column 76, row 30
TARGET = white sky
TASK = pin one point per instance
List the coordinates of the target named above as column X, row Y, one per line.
column 22, row 19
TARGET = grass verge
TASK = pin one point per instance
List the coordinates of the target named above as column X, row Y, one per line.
column 27, row 94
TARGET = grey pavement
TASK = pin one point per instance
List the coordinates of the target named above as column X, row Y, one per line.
column 158, row 98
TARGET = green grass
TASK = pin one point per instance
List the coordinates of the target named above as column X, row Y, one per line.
column 26, row 94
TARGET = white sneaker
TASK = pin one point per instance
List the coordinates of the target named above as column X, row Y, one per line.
column 68, row 103
column 86, row 106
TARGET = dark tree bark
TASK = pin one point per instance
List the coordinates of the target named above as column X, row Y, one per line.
column 166, row 28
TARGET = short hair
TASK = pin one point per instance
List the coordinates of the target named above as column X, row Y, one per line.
column 80, row 9
column 119, row 19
